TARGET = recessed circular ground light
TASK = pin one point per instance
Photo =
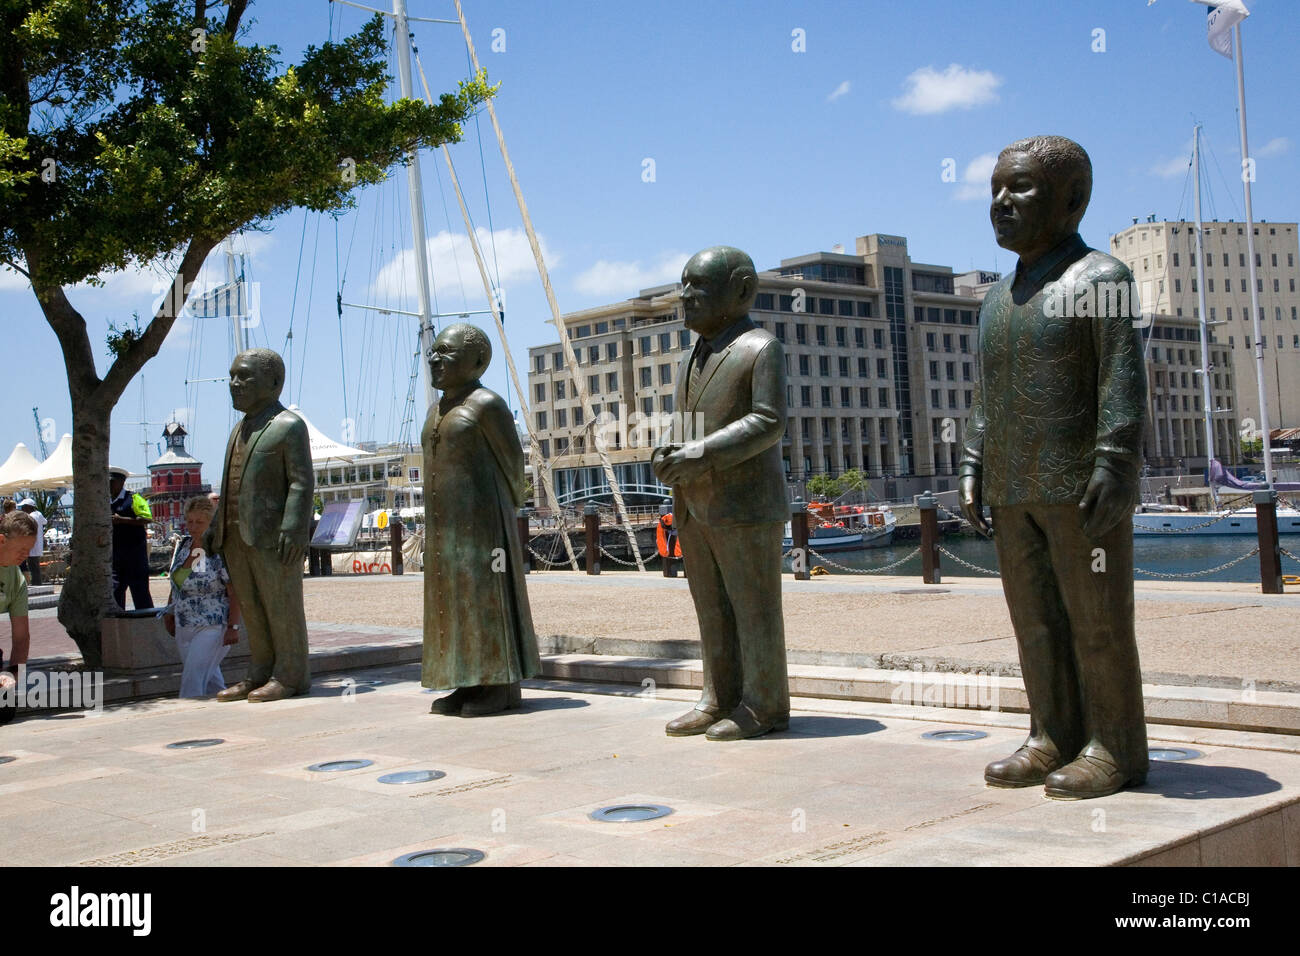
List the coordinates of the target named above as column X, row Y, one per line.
column 412, row 776
column 7, row 759
column 630, row 812
column 192, row 744
column 440, row 856
column 1174, row 753
column 334, row 766
column 954, row 735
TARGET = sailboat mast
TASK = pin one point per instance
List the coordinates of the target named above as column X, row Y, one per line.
column 1205, row 322
column 236, row 318
column 1246, row 176
column 416, row 187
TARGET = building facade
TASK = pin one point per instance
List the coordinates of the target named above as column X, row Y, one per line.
column 880, row 362
column 173, row 479
column 1162, row 257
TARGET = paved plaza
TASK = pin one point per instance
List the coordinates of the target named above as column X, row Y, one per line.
column 850, row 783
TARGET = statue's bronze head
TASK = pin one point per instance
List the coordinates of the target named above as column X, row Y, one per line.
column 718, row 287
column 459, row 355
column 1041, row 186
column 256, row 379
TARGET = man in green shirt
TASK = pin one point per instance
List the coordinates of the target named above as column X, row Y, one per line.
column 17, row 536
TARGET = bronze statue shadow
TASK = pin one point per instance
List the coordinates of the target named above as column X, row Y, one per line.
column 532, row 705
column 1190, row 781
column 822, row 725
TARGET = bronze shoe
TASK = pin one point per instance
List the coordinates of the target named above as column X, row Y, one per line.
column 236, row 691
column 450, row 705
column 492, row 699
column 1088, row 776
column 1027, row 767
column 691, row 723
column 744, row 723
column 271, row 690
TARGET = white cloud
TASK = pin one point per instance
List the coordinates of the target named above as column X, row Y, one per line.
column 975, row 178
column 395, row 282
column 841, row 90
column 1274, row 147
column 928, row 91
column 628, row 278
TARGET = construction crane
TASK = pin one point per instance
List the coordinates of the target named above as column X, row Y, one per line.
column 40, row 433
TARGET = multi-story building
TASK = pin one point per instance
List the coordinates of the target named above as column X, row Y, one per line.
column 1174, row 440
column 174, row 478
column 1162, row 257
column 386, row 476
column 880, row 366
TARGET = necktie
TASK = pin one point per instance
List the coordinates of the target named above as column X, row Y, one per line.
column 697, row 372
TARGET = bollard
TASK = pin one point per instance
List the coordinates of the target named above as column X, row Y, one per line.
column 1270, row 559
column 926, row 506
column 521, row 523
column 591, row 517
column 668, row 561
column 799, row 556
column 395, row 529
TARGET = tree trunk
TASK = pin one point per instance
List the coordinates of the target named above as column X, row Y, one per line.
column 87, row 593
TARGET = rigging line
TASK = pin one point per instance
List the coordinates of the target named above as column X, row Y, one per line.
column 311, row 291
column 487, row 198
column 1231, row 193
column 293, row 307
column 442, row 193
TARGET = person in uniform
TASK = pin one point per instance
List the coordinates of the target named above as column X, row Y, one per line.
column 131, row 519
column 1054, row 447
column 478, row 628
column 261, row 527
column 729, row 499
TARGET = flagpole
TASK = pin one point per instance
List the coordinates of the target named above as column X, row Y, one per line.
column 1246, row 175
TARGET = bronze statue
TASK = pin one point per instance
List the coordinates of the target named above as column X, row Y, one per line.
column 722, row 458
column 478, row 629
column 261, row 528
column 1054, row 447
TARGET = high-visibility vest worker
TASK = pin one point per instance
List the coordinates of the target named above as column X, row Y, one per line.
column 666, row 537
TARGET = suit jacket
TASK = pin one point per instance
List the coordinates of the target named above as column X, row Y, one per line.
column 275, row 493
column 738, row 414
column 1057, row 393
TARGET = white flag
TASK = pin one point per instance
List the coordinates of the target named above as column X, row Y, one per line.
column 1221, row 20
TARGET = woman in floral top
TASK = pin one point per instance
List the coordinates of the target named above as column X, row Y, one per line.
column 204, row 613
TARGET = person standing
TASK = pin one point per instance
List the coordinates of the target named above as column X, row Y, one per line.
column 1054, row 447
column 261, row 528
column 33, row 562
column 131, row 518
column 204, row 616
column 729, row 499
column 17, row 531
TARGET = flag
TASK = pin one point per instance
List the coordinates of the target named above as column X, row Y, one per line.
column 1220, row 20
column 223, row 301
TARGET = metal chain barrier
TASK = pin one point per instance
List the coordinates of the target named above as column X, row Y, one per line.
column 630, row 564
column 973, row 567
column 1293, row 557
column 880, row 570
column 1190, row 527
column 557, row 564
column 1196, row 574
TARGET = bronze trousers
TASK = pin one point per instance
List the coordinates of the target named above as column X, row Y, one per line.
column 734, row 573
column 1071, row 604
column 270, row 596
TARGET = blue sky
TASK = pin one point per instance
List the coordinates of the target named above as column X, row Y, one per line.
column 753, row 143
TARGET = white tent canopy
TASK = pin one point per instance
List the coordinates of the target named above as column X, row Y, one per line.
column 19, row 464
column 324, row 448
column 55, row 471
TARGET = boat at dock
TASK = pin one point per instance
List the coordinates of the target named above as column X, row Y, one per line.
column 846, row 527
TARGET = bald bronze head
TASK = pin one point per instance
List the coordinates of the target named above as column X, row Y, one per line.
column 1041, row 186
column 256, row 380
column 718, row 287
column 459, row 355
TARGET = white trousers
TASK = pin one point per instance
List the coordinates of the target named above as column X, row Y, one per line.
column 201, row 651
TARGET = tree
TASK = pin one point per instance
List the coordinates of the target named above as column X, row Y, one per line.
column 824, row 484
column 136, row 132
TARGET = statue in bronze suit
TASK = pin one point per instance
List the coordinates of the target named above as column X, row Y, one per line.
column 1054, row 447
column 478, row 629
column 722, row 458
column 261, row 527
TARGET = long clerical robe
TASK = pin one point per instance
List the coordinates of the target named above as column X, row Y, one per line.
column 478, row 628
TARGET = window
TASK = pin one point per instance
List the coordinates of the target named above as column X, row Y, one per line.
column 647, row 374
column 860, row 337
column 826, row 397
column 805, row 398
column 930, row 342
column 593, row 384
column 593, row 355
column 539, row 363
column 950, row 371
column 934, row 369
column 545, row 447
column 1178, row 285
column 611, row 351
column 647, row 406
column 821, row 333
column 780, row 332
column 965, row 371
column 826, row 306
column 846, row 307
column 934, row 398
column 765, row 301
column 803, row 365
column 560, row 389
column 611, row 382
column 539, row 392
column 665, row 374
column 947, row 341
column 1175, row 258
column 863, row 371
column 841, row 336
column 582, row 331
column 844, row 367
column 557, row 360
column 864, row 398
column 881, row 371
column 845, row 400
column 665, row 341
column 645, row 344
column 561, row 418
column 800, row 333
column 864, row 310
column 882, row 397
column 878, row 338
column 540, row 418
column 666, row 404
column 824, row 365
column 684, row 338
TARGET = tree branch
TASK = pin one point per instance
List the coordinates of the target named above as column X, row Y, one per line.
column 147, row 345
column 68, row 325
column 16, row 267
column 234, row 12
